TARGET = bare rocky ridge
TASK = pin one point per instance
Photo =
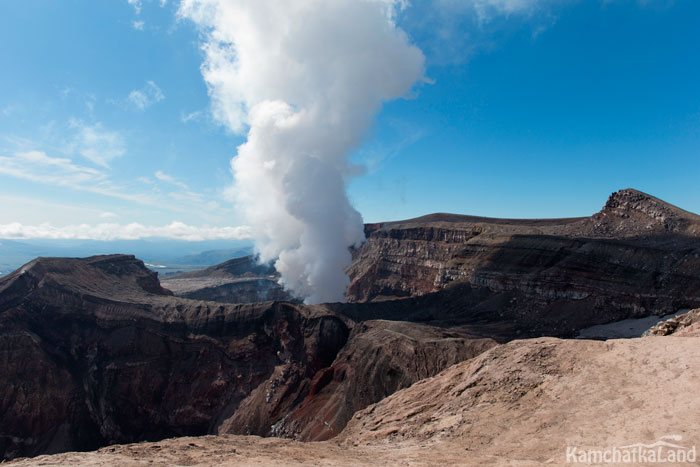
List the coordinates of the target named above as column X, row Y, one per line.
column 122, row 360
column 636, row 257
column 380, row 358
column 240, row 280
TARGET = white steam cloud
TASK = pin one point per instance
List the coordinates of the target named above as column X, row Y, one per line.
column 305, row 78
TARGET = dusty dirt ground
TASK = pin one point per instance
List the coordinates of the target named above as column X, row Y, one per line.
column 230, row 450
column 520, row 403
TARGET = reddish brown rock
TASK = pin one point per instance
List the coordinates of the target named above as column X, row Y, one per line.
column 686, row 324
column 380, row 358
column 94, row 352
column 525, row 403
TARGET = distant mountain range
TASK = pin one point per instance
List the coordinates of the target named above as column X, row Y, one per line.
column 212, row 257
column 163, row 255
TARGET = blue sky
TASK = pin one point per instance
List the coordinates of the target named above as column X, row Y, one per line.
column 535, row 109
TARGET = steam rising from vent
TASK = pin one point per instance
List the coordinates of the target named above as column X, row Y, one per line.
column 305, row 78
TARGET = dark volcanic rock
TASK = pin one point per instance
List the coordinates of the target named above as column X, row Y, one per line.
column 631, row 213
column 638, row 256
column 94, row 352
column 380, row 358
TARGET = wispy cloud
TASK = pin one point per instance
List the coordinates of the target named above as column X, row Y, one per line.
column 114, row 231
column 146, row 180
column 90, row 103
column 36, row 166
column 184, row 118
column 138, row 25
column 452, row 31
column 76, row 137
column 35, row 209
column 486, row 9
column 163, row 177
column 403, row 134
column 136, row 4
column 185, row 195
column 96, row 143
column 146, row 96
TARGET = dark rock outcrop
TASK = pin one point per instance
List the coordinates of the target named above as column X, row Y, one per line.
column 380, row 358
column 636, row 257
column 94, row 352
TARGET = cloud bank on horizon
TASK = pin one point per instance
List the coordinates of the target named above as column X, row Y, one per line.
column 115, row 231
column 305, row 79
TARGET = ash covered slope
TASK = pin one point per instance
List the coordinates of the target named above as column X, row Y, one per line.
column 94, row 351
column 519, row 404
column 239, row 280
column 637, row 256
column 526, row 401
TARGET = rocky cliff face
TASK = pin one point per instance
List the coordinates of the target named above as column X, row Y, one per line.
column 94, row 351
column 636, row 257
column 380, row 358
column 631, row 213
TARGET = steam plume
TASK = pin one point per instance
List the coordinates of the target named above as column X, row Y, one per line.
column 305, row 78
